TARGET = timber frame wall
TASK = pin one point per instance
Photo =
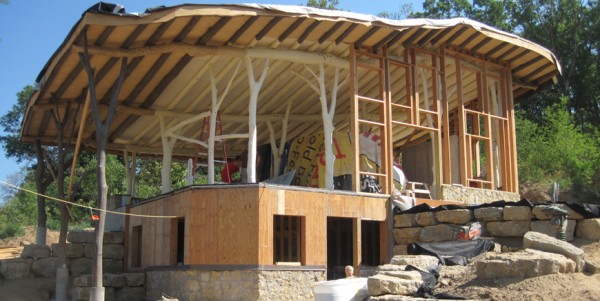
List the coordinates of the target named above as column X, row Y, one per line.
column 234, row 224
column 434, row 95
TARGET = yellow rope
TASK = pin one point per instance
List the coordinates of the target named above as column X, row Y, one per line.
column 84, row 206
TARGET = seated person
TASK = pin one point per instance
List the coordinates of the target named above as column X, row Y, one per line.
column 230, row 169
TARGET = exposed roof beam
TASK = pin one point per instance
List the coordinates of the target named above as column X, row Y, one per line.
column 331, row 31
column 308, row 30
column 241, row 30
column 526, row 65
column 213, row 30
column 365, row 36
column 199, row 50
column 268, row 28
column 345, row 33
column 413, row 37
column 456, row 35
column 480, row 44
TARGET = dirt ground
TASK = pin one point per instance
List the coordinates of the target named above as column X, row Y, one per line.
column 461, row 281
column 456, row 280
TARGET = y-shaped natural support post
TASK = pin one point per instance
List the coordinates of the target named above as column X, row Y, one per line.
column 214, row 110
column 278, row 150
column 130, row 168
column 327, row 116
column 168, row 144
column 252, row 134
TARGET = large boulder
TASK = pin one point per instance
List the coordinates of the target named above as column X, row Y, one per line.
column 523, row 264
column 74, row 250
column 135, row 279
column 458, row 216
column 113, row 237
column 80, row 266
column 437, row 233
column 112, row 266
column 400, row 249
column 517, row 213
column 85, row 237
column 406, row 235
column 543, row 242
column 588, row 229
column 549, row 229
column 405, row 221
column 425, row 219
column 508, row 229
column 110, row 251
column 488, row 214
column 130, row 294
column 45, row 267
column 421, row 261
column 35, row 251
column 16, row 268
column 402, row 283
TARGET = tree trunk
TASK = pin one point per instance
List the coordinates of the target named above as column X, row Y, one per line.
column 97, row 294
column 61, row 277
column 40, row 234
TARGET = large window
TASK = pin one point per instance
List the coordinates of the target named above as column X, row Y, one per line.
column 287, row 239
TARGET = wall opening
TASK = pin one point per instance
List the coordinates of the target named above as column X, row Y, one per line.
column 339, row 246
column 180, row 240
column 288, row 239
column 370, row 243
column 136, row 247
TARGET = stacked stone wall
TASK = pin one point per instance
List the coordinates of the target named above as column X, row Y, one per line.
column 199, row 284
column 502, row 223
column 468, row 195
column 41, row 261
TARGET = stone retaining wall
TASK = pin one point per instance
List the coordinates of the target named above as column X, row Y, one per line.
column 468, row 195
column 41, row 261
column 498, row 222
column 200, row 284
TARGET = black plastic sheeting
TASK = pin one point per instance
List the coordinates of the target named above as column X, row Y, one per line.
column 105, row 7
column 430, row 277
column 452, row 252
column 586, row 210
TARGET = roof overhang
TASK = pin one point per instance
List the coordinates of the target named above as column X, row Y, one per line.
column 172, row 50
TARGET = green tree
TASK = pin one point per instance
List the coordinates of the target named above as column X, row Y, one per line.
column 557, row 150
column 328, row 4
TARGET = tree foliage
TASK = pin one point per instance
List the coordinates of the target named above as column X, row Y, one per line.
column 557, row 150
column 11, row 125
column 328, row 4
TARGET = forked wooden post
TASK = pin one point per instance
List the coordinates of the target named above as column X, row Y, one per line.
column 254, row 86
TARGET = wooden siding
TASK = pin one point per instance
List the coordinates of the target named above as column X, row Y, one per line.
column 234, row 225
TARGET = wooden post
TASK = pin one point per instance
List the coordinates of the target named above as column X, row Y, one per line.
column 445, row 120
column 354, row 129
column 216, row 102
column 512, row 132
column 168, row 143
column 82, row 123
column 356, row 245
column 463, row 150
column 252, row 104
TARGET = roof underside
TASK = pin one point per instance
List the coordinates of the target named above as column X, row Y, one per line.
column 180, row 83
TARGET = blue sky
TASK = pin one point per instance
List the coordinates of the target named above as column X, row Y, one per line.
column 30, row 32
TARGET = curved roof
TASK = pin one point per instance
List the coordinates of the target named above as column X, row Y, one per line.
column 164, row 76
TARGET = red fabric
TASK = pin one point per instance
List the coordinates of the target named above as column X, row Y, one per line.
column 228, row 171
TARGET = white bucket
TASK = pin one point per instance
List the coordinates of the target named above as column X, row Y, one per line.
column 347, row 289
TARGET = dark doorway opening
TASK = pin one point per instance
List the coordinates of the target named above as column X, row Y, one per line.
column 136, row 246
column 180, row 239
column 339, row 246
column 370, row 243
